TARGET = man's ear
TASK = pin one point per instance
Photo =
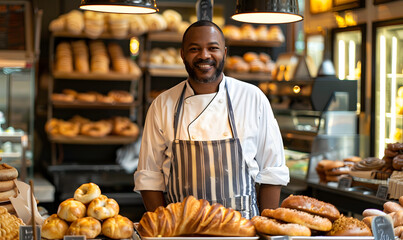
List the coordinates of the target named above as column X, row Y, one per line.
column 182, row 54
column 225, row 51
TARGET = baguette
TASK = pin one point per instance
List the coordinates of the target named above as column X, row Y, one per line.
column 195, row 217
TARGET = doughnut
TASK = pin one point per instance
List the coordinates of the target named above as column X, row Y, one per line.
column 390, row 207
column 390, row 153
column 69, row 129
column 71, row 210
column 396, row 147
column 273, row 227
column 7, row 172
column 124, row 127
column 117, row 227
column 105, row 99
column 349, row 226
column 87, row 192
column 299, row 217
column 54, row 227
column 87, row 226
column 79, row 119
column 368, row 164
column 398, row 162
column 103, row 207
column 96, row 129
column 5, row 196
column 6, row 185
column 311, row 205
column 373, row 212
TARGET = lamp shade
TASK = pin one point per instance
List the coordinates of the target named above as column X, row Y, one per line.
column 267, row 11
column 120, row 6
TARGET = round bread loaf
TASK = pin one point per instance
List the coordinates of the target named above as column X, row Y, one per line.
column 273, row 227
column 311, row 205
column 54, row 227
column 87, row 226
column 117, row 227
column 349, row 226
column 71, row 210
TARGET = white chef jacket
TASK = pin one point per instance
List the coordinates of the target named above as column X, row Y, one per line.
column 205, row 117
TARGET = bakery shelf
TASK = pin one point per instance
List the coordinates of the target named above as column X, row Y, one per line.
column 104, row 35
column 10, row 155
column 165, row 36
column 248, row 43
column 168, row 72
column 92, row 140
column 110, row 76
column 99, row 105
column 261, row 77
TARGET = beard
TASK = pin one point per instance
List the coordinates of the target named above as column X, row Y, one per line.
column 192, row 72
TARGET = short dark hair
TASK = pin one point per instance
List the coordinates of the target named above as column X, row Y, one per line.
column 202, row 23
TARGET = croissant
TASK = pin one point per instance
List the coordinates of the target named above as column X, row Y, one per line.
column 195, row 217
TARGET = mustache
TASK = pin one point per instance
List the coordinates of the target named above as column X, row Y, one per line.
column 208, row 61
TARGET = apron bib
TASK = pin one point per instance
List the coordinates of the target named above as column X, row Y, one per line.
column 212, row 170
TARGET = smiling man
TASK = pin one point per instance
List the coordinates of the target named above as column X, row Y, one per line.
column 211, row 136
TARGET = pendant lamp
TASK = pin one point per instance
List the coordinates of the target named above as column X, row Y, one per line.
column 120, row 6
column 267, row 11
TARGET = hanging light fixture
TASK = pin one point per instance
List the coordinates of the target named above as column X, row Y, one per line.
column 267, row 11
column 120, row 6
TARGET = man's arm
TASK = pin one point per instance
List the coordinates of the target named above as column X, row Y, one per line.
column 153, row 199
column 269, row 196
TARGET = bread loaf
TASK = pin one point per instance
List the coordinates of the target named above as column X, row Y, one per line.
column 195, row 217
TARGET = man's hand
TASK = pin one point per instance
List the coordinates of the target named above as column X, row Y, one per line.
column 153, row 199
column 269, row 196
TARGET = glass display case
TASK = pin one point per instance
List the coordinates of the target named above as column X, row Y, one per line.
column 349, row 57
column 387, row 124
column 17, row 118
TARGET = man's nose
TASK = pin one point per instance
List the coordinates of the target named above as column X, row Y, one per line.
column 205, row 53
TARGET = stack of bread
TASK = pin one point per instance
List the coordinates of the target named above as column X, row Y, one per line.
column 94, row 23
column 9, row 225
column 332, row 170
column 168, row 56
column 64, row 57
column 77, row 125
column 195, row 217
column 8, row 175
column 307, row 216
column 90, row 214
column 99, row 57
column 249, row 32
column 393, row 210
column 81, row 56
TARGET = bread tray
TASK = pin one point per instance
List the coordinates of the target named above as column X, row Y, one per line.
column 136, row 236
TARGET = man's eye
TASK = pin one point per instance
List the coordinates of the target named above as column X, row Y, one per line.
column 214, row 48
column 193, row 49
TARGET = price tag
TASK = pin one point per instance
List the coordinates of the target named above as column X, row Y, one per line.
column 382, row 228
column 74, row 237
column 345, row 182
column 382, row 192
column 204, row 10
column 27, row 233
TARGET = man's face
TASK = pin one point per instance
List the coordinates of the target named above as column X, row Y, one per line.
column 203, row 54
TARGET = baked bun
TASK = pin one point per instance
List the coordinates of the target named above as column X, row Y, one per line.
column 117, row 227
column 349, row 226
column 103, row 207
column 274, row 227
column 54, row 227
column 172, row 18
column 87, row 192
column 311, row 205
column 337, row 168
column 71, row 210
column 250, row 57
column 320, row 169
column 87, row 226
column 398, row 162
column 232, row 32
column 7, row 172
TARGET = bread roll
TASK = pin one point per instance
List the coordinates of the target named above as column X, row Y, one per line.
column 117, row 227
column 54, row 227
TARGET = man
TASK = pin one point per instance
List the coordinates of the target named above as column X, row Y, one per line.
column 211, row 136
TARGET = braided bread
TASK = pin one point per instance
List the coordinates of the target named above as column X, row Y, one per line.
column 192, row 217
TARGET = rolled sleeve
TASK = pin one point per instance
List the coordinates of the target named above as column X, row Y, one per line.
column 149, row 180
column 274, row 176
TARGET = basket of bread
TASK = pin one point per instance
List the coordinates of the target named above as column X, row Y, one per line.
column 90, row 214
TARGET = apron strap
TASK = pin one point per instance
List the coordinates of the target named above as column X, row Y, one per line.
column 230, row 112
column 178, row 110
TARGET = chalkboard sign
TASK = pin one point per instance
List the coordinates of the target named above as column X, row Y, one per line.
column 74, row 237
column 382, row 228
column 204, row 10
column 345, row 182
column 27, row 233
column 382, row 192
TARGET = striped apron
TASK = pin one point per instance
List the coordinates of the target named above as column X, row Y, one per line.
column 212, row 170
